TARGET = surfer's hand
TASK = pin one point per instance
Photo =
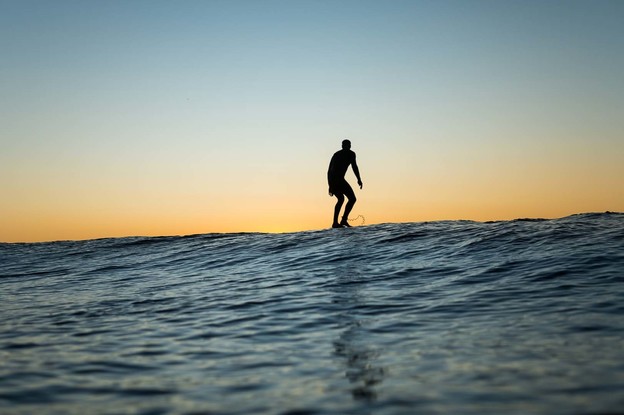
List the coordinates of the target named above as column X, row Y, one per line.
column 330, row 192
column 360, row 183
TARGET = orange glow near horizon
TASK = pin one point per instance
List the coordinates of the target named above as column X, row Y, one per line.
column 52, row 201
column 69, row 216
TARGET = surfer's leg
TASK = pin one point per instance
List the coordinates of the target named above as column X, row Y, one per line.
column 351, row 201
column 339, row 203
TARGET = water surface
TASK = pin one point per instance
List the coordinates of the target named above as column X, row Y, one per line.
column 514, row 317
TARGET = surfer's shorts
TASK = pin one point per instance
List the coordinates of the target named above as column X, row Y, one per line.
column 341, row 187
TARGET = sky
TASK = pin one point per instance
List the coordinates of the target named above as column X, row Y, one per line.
column 122, row 118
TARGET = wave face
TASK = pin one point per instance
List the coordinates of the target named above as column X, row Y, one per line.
column 523, row 316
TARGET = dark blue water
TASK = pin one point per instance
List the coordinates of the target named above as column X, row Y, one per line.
column 516, row 317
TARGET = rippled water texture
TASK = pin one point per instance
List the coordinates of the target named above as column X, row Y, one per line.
column 521, row 317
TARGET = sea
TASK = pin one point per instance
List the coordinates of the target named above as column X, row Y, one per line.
column 448, row 317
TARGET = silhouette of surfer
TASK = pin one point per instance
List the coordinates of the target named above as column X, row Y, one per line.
column 338, row 186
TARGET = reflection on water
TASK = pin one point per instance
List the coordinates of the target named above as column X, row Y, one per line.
column 353, row 345
column 360, row 358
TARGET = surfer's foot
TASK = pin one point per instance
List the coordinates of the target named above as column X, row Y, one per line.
column 345, row 224
column 337, row 225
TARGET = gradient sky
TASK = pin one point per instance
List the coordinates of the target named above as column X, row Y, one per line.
column 176, row 117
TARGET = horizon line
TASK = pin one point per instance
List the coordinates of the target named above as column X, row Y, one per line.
column 607, row 212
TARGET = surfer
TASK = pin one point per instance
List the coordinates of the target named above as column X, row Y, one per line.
column 338, row 186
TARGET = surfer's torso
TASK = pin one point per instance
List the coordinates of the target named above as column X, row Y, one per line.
column 340, row 162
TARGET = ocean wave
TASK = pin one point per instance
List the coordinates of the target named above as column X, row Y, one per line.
column 521, row 316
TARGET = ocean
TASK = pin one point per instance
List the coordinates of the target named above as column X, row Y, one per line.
column 450, row 317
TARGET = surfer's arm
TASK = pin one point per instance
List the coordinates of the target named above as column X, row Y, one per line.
column 356, row 170
column 329, row 174
column 330, row 170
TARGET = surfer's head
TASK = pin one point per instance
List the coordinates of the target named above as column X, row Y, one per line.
column 346, row 144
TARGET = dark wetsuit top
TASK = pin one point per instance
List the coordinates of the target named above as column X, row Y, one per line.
column 338, row 166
